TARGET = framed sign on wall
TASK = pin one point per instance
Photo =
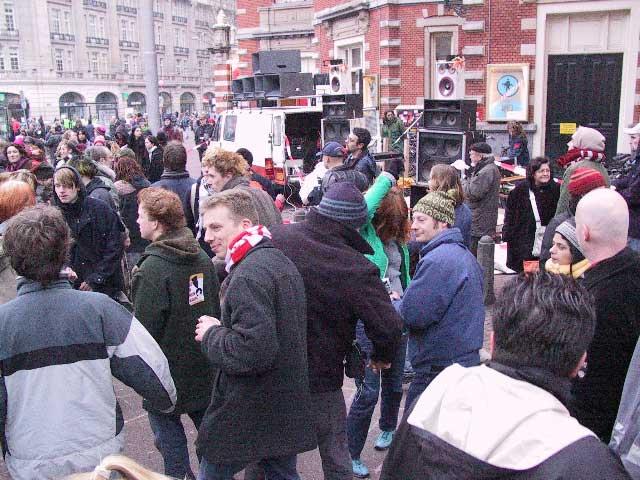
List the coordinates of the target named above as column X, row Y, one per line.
column 370, row 92
column 507, row 92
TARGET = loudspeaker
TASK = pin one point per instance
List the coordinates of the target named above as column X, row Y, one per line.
column 276, row 61
column 450, row 115
column 321, row 79
column 248, row 87
column 342, row 106
column 340, row 80
column 439, row 147
column 236, row 89
column 449, row 82
column 284, row 85
column 335, row 130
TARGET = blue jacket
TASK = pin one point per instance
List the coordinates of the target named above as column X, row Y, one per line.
column 463, row 223
column 443, row 306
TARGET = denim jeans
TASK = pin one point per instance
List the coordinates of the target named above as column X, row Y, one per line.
column 418, row 385
column 171, row 441
column 364, row 403
column 280, row 468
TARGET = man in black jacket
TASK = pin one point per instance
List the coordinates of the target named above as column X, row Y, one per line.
column 602, row 222
column 260, row 406
column 341, row 286
column 509, row 419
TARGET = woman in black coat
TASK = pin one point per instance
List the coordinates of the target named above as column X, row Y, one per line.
column 156, row 165
column 519, row 222
column 136, row 143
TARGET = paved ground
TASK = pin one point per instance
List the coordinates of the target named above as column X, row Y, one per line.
column 139, row 440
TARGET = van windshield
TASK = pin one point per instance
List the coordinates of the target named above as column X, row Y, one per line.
column 229, row 133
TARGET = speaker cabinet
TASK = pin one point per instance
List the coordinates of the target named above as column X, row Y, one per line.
column 321, row 79
column 340, row 80
column 449, row 82
column 248, row 87
column 284, row 85
column 335, row 130
column 342, row 106
column 276, row 61
column 450, row 115
column 439, row 147
column 236, row 89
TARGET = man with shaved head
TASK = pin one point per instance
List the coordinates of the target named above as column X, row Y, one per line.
column 602, row 223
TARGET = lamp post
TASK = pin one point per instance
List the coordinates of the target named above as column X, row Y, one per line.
column 221, row 44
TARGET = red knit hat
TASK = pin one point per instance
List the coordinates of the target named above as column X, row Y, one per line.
column 583, row 180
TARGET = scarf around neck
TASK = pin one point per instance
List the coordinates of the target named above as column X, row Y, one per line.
column 240, row 245
column 578, row 153
column 576, row 270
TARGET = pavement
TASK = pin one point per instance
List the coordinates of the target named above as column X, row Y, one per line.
column 139, row 439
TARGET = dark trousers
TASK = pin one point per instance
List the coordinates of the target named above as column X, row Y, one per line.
column 329, row 414
column 418, row 385
column 171, row 441
column 279, row 468
column 364, row 403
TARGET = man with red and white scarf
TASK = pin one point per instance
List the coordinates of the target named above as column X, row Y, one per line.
column 585, row 150
column 260, row 404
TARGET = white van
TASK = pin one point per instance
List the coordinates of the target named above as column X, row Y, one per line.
column 279, row 138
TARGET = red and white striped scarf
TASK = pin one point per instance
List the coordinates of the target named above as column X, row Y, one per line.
column 240, row 245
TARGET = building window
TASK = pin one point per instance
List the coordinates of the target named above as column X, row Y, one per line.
column 66, row 25
column 8, row 16
column 133, row 32
column 351, row 55
column 159, row 39
column 441, row 43
column 93, row 61
column 59, row 60
column 125, row 63
column 91, row 26
column 157, row 6
column 70, row 61
column 161, row 66
column 2, row 66
column 134, row 65
column 104, row 63
column 178, row 66
column 13, row 59
column 180, row 37
column 180, row 9
column 101, row 29
column 55, row 20
column 200, row 68
column 124, row 25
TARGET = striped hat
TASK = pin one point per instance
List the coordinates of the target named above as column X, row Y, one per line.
column 344, row 203
column 438, row 205
column 583, row 180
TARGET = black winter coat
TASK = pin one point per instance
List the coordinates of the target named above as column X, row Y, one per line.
column 98, row 241
column 260, row 405
column 142, row 155
column 615, row 283
column 156, row 166
column 342, row 286
column 519, row 223
column 128, row 193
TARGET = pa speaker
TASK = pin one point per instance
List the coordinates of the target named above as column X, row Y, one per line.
column 248, row 87
column 439, row 147
column 321, row 79
column 449, row 82
column 236, row 89
column 276, row 61
column 342, row 106
column 284, row 85
column 450, row 115
column 335, row 130
column 340, row 80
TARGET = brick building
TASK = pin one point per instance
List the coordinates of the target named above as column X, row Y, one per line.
column 582, row 56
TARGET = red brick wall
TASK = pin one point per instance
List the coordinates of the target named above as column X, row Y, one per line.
column 249, row 19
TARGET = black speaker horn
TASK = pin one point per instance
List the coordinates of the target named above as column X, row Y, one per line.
column 439, row 147
column 284, row 85
column 335, row 130
column 450, row 115
column 276, row 61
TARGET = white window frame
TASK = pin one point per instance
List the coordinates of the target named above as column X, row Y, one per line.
column 9, row 16
column 14, row 59
column 346, row 46
column 67, row 22
column 58, row 59
column 56, row 22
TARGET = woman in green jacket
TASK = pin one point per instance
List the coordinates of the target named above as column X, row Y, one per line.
column 386, row 231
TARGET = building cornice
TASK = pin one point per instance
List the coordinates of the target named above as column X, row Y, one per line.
column 257, row 33
column 342, row 10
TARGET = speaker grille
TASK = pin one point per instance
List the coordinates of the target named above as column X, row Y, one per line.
column 336, row 130
column 434, row 148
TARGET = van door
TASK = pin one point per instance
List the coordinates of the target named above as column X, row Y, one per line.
column 280, row 149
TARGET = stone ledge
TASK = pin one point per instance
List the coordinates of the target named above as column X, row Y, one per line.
column 473, row 50
column 475, row 26
column 393, row 42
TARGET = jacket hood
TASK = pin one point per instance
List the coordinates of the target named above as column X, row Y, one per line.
column 451, row 236
column 138, row 182
column 235, row 181
column 82, row 193
column 177, row 246
column 503, row 421
column 94, row 184
column 334, row 228
column 105, row 171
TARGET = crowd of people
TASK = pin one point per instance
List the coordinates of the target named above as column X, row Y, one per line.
column 114, row 261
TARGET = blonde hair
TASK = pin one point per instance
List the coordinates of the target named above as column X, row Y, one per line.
column 126, row 467
column 226, row 162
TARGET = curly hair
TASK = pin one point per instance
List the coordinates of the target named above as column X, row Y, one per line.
column 127, row 168
column 391, row 220
column 162, row 206
column 226, row 162
column 518, row 131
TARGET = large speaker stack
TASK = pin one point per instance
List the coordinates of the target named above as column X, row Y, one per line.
column 448, row 128
column 276, row 74
column 337, row 111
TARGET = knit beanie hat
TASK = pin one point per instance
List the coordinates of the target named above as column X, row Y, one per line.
column 586, row 138
column 438, row 205
column 568, row 230
column 344, row 203
column 583, row 180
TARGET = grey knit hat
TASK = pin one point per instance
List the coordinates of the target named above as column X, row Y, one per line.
column 568, row 230
column 344, row 203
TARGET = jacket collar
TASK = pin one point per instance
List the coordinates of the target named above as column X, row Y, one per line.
column 450, row 235
column 234, row 182
column 326, row 227
column 481, row 164
column 24, row 285
column 604, row 269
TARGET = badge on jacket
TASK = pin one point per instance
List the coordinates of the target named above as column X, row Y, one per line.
column 196, row 289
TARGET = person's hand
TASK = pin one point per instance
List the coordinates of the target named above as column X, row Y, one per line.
column 205, row 322
column 460, row 165
column 378, row 366
column 394, row 296
column 71, row 275
column 85, row 287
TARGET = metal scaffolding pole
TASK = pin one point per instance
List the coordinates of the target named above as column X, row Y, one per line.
column 150, row 64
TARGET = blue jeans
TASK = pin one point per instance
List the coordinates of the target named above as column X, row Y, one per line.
column 280, row 468
column 171, row 442
column 361, row 411
column 418, row 385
